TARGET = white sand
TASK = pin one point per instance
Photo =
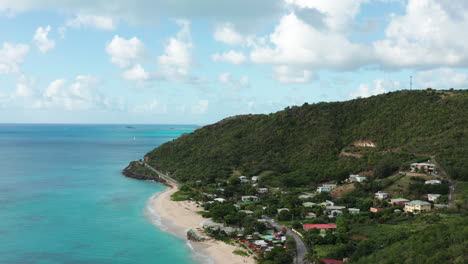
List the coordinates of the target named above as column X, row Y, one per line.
column 179, row 217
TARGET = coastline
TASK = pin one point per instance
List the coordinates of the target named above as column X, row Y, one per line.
column 177, row 218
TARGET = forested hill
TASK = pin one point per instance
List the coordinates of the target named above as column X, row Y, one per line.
column 312, row 143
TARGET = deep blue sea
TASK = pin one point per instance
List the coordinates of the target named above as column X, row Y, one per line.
column 64, row 200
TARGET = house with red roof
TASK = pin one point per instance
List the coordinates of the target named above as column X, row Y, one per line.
column 321, row 227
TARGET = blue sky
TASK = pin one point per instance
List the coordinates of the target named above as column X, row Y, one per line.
column 197, row 62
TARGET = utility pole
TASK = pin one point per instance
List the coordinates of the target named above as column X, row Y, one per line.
column 411, row 82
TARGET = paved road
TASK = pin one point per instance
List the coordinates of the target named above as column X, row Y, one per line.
column 161, row 174
column 300, row 245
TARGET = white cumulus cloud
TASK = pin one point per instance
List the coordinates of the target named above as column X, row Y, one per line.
column 25, row 87
column 291, row 74
column 153, row 107
column 125, row 52
column 177, row 60
column 42, row 41
column 231, row 56
column 11, row 56
column 379, row 86
column 441, row 78
column 227, row 79
column 226, row 33
column 200, row 107
column 295, row 42
column 429, row 34
column 101, row 22
column 136, row 73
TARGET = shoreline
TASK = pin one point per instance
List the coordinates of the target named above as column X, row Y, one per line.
column 177, row 218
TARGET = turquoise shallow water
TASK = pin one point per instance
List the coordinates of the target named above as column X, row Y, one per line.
column 63, row 199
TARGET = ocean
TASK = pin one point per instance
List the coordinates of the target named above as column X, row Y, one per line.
column 63, row 198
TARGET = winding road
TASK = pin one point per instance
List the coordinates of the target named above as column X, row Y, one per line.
column 161, row 174
column 301, row 249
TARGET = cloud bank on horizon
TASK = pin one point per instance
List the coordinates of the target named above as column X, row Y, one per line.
column 189, row 61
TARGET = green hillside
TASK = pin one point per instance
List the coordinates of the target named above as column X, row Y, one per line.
column 312, row 143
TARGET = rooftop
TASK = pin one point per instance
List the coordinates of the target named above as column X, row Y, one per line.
column 318, row 226
column 418, row 202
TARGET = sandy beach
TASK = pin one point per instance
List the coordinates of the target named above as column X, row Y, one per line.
column 179, row 217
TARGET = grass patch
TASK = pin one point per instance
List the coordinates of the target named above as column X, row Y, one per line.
column 461, row 193
column 399, row 188
column 241, row 253
column 323, row 251
column 180, row 196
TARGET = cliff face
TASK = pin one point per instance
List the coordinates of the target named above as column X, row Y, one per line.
column 301, row 145
column 136, row 171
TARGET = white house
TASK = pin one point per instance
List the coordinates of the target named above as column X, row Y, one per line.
column 432, row 197
column 305, row 196
column 221, row 200
column 310, row 215
column 249, row 198
column 255, row 178
column 244, row 179
column 426, row 167
column 334, row 213
column 354, row 210
column 381, row 195
column 327, row 203
column 308, row 204
column 262, row 190
column 247, row 212
column 433, row 182
column 326, row 187
column 356, row 178
column 335, row 207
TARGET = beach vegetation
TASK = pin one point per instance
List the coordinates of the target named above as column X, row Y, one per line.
column 241, row 253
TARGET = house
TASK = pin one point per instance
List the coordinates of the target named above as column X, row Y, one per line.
column 221, row 200
column 356, row 178
column 432, row 197
column 282, row 209
column 247, row 212
column 321, row 189
column 327, row 203
column 249, row 198
column 308, row 204
column 326, row 188
column 423, row 167
column 335, row 207
column 417, row 206
column 212, row 225
column 398, row 201
column 354, row 210
column 244, row 179
column 433, row 182
column 381, row 195
column 255, row 178
column 310, row 215
column 321, row 227
column 334, row 213
column 305, row 196
column 375, row 209
column 262, row 190
column 230, row 229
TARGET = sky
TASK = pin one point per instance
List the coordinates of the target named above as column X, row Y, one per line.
column 197, row 62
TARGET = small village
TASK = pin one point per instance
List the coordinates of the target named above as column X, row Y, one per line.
column 262, row 219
